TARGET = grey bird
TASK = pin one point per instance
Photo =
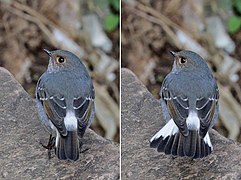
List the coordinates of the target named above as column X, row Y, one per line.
column 65, row 102
column 189, row 102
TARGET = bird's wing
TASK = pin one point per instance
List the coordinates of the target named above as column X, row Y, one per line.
column 43, row 117
column 206, row 108
column 84, row 111
column 178, row 108
column 54, row 106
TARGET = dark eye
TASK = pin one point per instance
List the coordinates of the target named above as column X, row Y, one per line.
column 60, row 60
column 182, row 60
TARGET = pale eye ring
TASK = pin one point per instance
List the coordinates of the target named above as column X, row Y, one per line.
column 60, row 59
column 182, row 60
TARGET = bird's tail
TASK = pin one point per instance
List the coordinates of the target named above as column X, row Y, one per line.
column 68, row 146
column 170, row 141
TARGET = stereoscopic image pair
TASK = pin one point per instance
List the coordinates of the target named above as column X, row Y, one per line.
column 120, row 90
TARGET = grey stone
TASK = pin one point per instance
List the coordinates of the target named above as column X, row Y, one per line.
column 141, row 118
column 21, row 155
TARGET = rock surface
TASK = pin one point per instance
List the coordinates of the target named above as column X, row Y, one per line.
column 141, row 119
column 21, row 155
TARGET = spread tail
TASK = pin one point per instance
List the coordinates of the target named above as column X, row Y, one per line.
column 170, row 141
column 68, row 146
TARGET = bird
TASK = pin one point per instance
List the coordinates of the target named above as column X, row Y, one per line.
column 65, row 102
column 189, row 103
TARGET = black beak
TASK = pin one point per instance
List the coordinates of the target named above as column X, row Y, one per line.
column 47, row 52
column 172, row 53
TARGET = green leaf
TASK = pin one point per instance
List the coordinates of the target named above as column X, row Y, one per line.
column 237, row 4
column 111, row 22
column 234, row 24
column 115, row 4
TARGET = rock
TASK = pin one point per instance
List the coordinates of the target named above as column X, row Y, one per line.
column 21, row 155
column 141, row 119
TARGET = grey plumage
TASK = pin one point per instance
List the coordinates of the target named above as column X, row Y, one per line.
column 189, row 101
column 65, row 101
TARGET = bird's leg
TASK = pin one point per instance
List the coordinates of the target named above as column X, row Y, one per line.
column 50, row 145
column 80, row 146
column 173, row 157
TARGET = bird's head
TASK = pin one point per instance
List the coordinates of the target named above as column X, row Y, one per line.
column 62, row 60
column 187, row 60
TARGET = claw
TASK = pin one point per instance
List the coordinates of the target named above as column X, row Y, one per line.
column 50, row 145
column 80, row 146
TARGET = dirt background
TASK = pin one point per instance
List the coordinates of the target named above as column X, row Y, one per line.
column 151, row 28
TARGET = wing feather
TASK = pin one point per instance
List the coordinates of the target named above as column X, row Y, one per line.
column 178, row 109
column 84, row 110
column 55, row 109
column 206, row 108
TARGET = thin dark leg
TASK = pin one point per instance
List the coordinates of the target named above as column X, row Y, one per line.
column 80, row 147
column 50, row 145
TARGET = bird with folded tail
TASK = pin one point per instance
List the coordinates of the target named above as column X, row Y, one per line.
column 65, row 102
column 189, row 102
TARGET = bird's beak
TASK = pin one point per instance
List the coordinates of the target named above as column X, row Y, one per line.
column 47, row 52
column 173, row 53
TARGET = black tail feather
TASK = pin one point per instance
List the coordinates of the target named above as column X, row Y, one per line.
column 175, row 144
column 59, row 151
column 202, row 148
column 198, row 148
column 155, row 143
column 162, row 144
column 168, row 147
column 192, row 146
column 180, row 151
column 68, row 147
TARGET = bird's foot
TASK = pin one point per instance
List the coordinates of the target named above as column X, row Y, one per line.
column 50, row 145
column 84, row 150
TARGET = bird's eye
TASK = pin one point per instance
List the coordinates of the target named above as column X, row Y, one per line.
column 182, row 60
column 60, row 59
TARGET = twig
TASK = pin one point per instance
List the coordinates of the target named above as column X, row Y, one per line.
column 158, row 15
column 237, row 89
column 172, row 4
column 33, row 20
column 157, row 21
column 32, row 12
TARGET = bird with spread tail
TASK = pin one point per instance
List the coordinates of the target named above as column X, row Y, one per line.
column 189, row 102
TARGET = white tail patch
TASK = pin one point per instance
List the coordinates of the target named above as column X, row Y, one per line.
column 70, row 121
column 193, row 122
column 57, row 138
column 169, row 129
column 208, row 141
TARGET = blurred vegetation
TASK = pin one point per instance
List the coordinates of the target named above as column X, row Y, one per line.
column 234, row 22
column 111, row 21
